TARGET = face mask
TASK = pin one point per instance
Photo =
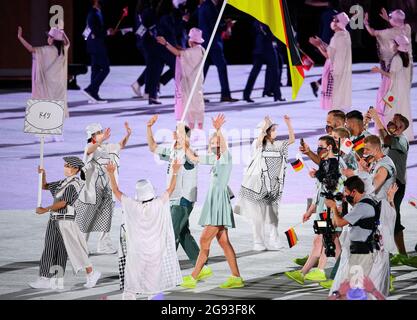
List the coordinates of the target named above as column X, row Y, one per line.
column 320, row 150
column 349, row 199
column 329, row 129
column 333, row 25
column 391, row 127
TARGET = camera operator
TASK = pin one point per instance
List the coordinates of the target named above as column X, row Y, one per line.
column 328, row 183
column 362, row 220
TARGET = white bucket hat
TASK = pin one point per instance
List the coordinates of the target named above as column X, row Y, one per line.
column 144, row 190
column 93, row 128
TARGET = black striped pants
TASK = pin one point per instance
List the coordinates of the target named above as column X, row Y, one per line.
column 54, row 256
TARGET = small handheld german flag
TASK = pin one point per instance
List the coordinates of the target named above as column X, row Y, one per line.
column 359, row 143
column 297, row 165
column 291, row 237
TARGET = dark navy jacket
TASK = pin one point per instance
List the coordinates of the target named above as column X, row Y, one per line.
column 207, row 16
column 263, row 39
column 96, row 39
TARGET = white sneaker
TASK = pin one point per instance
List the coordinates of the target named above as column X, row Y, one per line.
column 136, row 89
column 107, row 250
column 258, row 247
column 92, row 279
column 128, row 295
column 41, row 283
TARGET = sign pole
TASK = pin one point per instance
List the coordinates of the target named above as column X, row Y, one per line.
column 42, row 137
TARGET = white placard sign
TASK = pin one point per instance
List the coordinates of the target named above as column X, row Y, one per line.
column 44, row 117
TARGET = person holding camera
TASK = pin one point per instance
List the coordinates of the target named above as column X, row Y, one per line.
column 328, row 184
column 361, row 245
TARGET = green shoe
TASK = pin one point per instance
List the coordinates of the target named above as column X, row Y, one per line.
column 391, row 283
column 411, row 261
column 232, row 283
column 326, row 284
column 398, row 260
column 295, row 275
column 189, row 282
column 205, row 273
column 315, row 275
column 301, row 261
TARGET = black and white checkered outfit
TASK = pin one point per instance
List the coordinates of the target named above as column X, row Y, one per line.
column 328, row 91
column 54, row 253
column 275, row 156
column 122, row 256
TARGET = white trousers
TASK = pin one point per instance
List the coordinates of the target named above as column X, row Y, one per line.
column 104, row 240
column 265, row 222
column 75, row 244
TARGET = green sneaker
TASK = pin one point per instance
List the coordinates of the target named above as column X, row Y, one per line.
column 411, row 261
column 189, row 282
column 232, row 282
column 295, row 275
column 205, row 273
column 398, row 260
column 315, row 275
column 326, row 284
column 391, row 283
column 301, row 261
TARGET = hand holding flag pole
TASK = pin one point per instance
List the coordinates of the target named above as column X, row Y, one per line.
column 125, row 13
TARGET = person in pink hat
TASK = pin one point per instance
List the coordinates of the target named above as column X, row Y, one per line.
column 49, row 67
column 399, row 78
column 186, row 69
column 386, row 49
column 337, row 71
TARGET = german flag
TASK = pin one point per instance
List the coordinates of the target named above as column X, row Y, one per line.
column 275, row 14
column 291, row 237
column 297, row 165
column 359, row 143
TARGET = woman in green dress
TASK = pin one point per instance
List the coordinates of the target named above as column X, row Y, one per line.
column 217, row 214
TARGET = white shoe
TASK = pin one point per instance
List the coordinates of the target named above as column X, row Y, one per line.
column 107, row 250
column 258, row 247
column 41, row 283
column 128, row 295
column 136, row 89
column 92, row 279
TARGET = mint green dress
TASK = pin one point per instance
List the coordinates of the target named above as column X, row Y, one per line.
column 217, row 209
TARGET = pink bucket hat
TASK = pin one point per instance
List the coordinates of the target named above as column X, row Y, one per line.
column 396, row 18
column 56, row 34
column 195, row 35
column 403, row 43
column 343, row 20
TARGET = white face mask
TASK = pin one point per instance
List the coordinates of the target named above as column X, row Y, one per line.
column 333, row 26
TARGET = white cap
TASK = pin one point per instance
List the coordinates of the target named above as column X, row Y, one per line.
column 144, row 190
column 93, row 128
column 177, row 3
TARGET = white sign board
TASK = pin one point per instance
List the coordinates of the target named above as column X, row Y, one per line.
column 44, row 117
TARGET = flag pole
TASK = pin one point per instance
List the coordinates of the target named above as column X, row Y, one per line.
column 200, row 70
column 42, row 137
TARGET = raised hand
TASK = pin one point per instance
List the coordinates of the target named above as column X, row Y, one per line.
column 287, row 119
column 218, row 121
column 384, row 15
column 41, row 170
column 305, row 148
column 161, row 40
column 366, row 19
column 107, row 133
column 152, row 120
column 111, row 167
column 19, row 32
column 128, row 129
